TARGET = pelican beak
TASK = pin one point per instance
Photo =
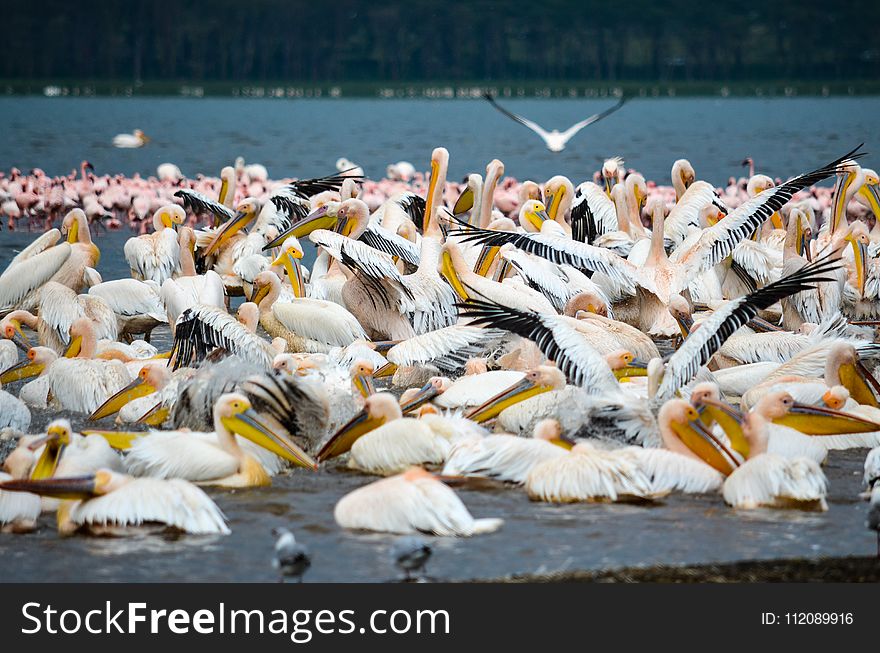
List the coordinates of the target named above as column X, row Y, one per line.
column 250, row 425
column 858, row 380
column 25, row 369
column 290, row 260
column 71, row 489
column 119, row 440
column 487, row 256
column 364, row 384
column 554, row 200
column 261, row 293
column 536, row 218
column 609, row 184
column 860, row 259
column 761, row 325
column 429, row 198
column 345, row 437
column 700, row 439
column 464, row 203
column 729, row 419
column 388, row 369
column 156, row 416
column 228, row 230
column 48, row 462
column 815, row 420
column 516, row 393
column 872, row 194
column 18, row 336
column 501, row 270
column 135, row 389
column 425, row 394
column 162, row 355
column 73, row 233
column 447, row 269
column 840, row 188
column 685, row 324
column 803, row 240
column 636, row 367
column 317, row 219
column 74, row 347
column 564, row 442
column 382, row 346
column 776, row 220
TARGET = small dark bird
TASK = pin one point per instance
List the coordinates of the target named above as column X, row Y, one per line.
column 410, row 554
column 874, row 515
column 292, row 559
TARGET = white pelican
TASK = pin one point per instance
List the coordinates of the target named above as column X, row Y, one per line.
column 555, row 140
column 589, row 474
column 156, row 256
column 61, row 452
column 139, row 396
column 506, row 457
column 769, row 480
column 129, row 141
column 109, row 503
column 14, row 413
column 137, row 305
column 447, row 349
column 222, row 462
column 201, row 329
column 306, row 324
column 412, row 502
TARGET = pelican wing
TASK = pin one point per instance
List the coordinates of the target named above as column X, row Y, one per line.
column 140, row 501
column 293, row 403
column 717, row 242
column 541, row 275
column 592, row 213
column 179, row 454
column 130, row 297
column 41, row 244
column 414, row 206
column 291, row 206
column 389, row 242
column 596, row 117
column 535, row 127
column 305, row 188
column 153, row 258
column 561, row 251
column 702, row 343
column 198, row 203
column 448, row 348
column 686, row 212
column 59, row 309
column 201, row 329
column 554, row 336
column 18, row 281
column 319, row 320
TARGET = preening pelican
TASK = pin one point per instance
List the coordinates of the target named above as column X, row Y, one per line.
column 179, row 454
column 109, row 503
column 412, row 502
column 156, row 256
column 554, row 140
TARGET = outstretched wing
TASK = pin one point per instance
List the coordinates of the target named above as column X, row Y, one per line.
column 535, row 127
column 201, row 329
column 576, row 127
column 305, row 188
column 198, row 203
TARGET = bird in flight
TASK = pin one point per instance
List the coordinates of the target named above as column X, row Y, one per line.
column 554, row 140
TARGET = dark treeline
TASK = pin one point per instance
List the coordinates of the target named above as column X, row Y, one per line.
column 418, row 40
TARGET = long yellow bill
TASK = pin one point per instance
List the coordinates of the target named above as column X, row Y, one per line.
column 74, row 347
column 14, row 333
column 636, row 367
column 317, row 219
column 858, row 380
column 425, row 394
column 447, row 269
column 699, row 439
column 729, row 419
column 344, row 438
column 250, row 425
column 25, row 369
column 388, row 369
column 464, row 203
column 135, row 389
column 119, row 440
column 156, row 416
column 817, row 420
column 71, row 489
column 487, row 256
column 364, row 384
column 516, row 393
column 860, row 260
column 228, row 230
column 48, row 460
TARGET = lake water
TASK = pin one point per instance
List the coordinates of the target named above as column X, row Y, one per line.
column 305, row 137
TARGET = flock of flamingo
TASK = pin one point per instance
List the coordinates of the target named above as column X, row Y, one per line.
column 489, row 331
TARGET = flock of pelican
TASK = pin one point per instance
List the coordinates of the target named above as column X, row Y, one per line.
column 606, row 344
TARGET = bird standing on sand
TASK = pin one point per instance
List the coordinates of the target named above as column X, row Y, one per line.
column 292, row 559
column 410, row 554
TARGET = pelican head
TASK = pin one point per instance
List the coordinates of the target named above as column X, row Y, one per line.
column 11, row 327
column 550, row 430
column 352, row 216
column 586, row 302
column 71, row 224
column 82, row 333
column 680, row 310
column 706, row 398
column 245, row 213
column 843, row 367
column 413, row 398
column 637, row 189
column 758, row 184
column 379, row 409
column 141, row 136
column 151, row 378
column 680, row 420
column 539, row 380
column 532, row 215
column 800, row 230
column 249, row 316
column 451, row 261
column 58, row 435
column 836, row 397
column 850, row 178
column 710, row 215
column 857, row 237
column 361, row 373
column 683, row 175
column 558, row 191
column 625, row 365
column 234, row 413
column 611, row 172
column 870, row 191
column 781, row 408
column 529, row 190
column 265, row 283
column 38, row 359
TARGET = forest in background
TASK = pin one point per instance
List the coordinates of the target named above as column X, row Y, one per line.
column 420, row 40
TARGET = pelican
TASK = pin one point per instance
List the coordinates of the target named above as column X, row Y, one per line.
column 14, row 412
column 137, row 305
column 156, row 256
column 201, row 329
column 554, row 140
column 139, row 396
column 129, row 141
column 505, row 457
column 412, row 502
column 769, row 480
column 222, row 462
column 109, row 503
column 62, row 452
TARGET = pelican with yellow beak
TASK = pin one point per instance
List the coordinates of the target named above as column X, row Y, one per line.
column 156, row 256
column 108, row 503
column 137, row 397
column 222, row 462
column 538, row 381
column 246, row 212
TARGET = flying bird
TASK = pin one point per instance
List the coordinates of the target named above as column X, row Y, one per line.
column 554, row 140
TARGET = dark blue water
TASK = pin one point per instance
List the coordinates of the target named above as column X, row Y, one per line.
column 303, row 137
